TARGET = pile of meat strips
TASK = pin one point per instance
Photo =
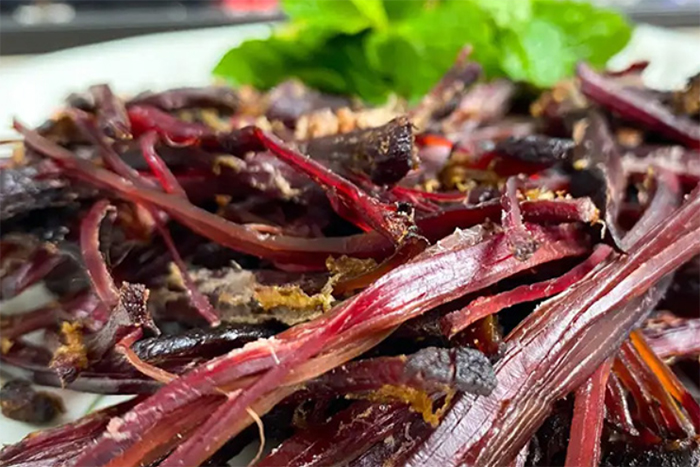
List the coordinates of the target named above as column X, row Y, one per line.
column 490, row 277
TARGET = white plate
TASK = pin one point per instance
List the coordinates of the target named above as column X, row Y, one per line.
column 32, row 90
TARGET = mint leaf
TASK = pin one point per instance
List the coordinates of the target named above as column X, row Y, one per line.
column 374, row 11
column 438, row 35
column 346, row 55
column 260, row 63
column 336, row 64
column 388, row 55
column 397, row 10
column 593, row 34
column 538, row 54
column 371, row 48
column 563, row 32
column 336, row 15
column 508, row 13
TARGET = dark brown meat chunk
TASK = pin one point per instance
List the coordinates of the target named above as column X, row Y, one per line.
column 466, row 369
column 19, row 401
column 536, row 149
column 384, row 153
column 37, row 185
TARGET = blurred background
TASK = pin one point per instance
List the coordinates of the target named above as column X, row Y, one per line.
column 37, row 26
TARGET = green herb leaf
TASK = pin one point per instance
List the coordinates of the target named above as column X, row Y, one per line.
column 538, row 54
column 341, row 16
column 372, row 48
column 593, row 34
column 397, row 10
column 417, row 52
column 508, row 13
column 374, row 11
column 388, row 55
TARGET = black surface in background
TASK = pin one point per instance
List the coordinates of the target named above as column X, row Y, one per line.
column 10, row 5
column 682, row 15
column 116, row 19
column 99, row 25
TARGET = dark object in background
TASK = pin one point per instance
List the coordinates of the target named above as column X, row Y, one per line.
column 12, row 5
column 103, row 20
column 19, row 401
column 25, row 29
column 666, row 13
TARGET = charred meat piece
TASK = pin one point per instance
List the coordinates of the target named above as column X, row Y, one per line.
column 19, row 401
column 466, row 369
column 385, row 154
column 531, row 153
column 201, row 343
column 36, row 185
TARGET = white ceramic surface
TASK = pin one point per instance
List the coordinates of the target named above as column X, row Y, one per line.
column 33, row 89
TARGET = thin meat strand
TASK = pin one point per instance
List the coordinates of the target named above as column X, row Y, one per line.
column 587, row 424
column 166, row 178
column 101, row 279
column 481, row 307
column 520, row 239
